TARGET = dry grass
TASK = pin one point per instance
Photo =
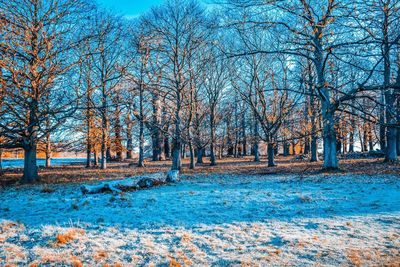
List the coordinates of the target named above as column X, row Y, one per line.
column 174, row 263
column 68, row 236
column 285, row 165
column 354, row 257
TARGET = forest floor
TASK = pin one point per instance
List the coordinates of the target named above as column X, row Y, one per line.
column 249, row 217
column 245, row 165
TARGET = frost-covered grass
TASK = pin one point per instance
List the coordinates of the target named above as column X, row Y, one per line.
column 219, row 220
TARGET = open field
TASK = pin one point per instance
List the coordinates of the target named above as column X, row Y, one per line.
column 215, row 219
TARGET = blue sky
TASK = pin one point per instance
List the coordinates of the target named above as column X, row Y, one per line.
column 129, row 8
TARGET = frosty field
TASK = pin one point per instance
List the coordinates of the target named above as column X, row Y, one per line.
column 207, row 220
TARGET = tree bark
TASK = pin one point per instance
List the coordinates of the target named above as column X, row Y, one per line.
column 1, row 160
column 256, row 145
column 329, row 134
column 156, row 133
column 96, row 158
column 141, row 144
column 129, row 140
column 30, row 164
column 167, row 150
column 271, row 154
column 176, row 156
column 200, row 154
column 191, row 151
column 117, row 130
column 104, row 128
column 212, row 141
column 244, row 137
column 48, row 151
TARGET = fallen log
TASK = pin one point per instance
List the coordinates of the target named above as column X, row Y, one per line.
column 130, row 184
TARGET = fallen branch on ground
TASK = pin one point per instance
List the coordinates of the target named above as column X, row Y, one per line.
column 134, row 183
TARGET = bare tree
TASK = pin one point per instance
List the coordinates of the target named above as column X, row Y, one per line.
column 37, row 53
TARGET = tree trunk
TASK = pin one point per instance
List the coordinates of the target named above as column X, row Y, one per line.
column 398, row 114
column 351, row 142
column 391, row 137
column 212, row 141
column 30, row 165
column 30, row 146
column 141, row 125
column 391, row 121
column 129, row 140
column 177, row 147
column 192, row 164
column 104, row 130
column 329, row 134
column 88, row 139
column 1, row 160
column 314, row 148
column 352, row 128
column 141, row 144
column 306, row 145
column 294, row 148
column 103, row 163
column 167, row 150
column 244, row 137
column 176, row 156
column 183, row 151
column 256, row 145
column 118, row 139
column 286, row 149
column 329, row 138
column 156, row 133
column 96, row 158
column 382, row 134
column 156, row 145
column 200, row 154
column 48, row 151
column 271, row 154
column 88, row 156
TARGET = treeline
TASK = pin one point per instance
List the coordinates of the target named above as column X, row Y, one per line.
column 201, row 80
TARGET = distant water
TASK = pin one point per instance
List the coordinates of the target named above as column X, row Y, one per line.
column 19, row 163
